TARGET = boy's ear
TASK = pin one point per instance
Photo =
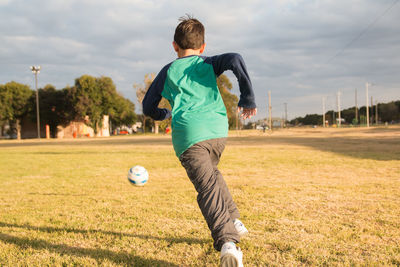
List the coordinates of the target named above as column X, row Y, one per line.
column 202, row 47
column 176, row 46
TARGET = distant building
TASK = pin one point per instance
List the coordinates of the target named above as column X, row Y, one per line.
column 76, row 129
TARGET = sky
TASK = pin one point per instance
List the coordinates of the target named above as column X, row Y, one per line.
column 300, row 50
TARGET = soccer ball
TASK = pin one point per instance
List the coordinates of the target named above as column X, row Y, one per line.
column 138, row 175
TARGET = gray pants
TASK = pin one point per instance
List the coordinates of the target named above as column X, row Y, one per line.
column 214, row 199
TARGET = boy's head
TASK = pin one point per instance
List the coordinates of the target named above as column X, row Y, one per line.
column 189, row 34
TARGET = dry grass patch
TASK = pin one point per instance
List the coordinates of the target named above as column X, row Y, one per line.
column 308, row 197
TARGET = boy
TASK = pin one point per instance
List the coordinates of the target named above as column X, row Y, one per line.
column 200, row 127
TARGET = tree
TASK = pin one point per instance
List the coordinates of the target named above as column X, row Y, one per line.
column 120, row 109
column 230, row 100
column 141, row 90
column 14, row 101
column 389, row 112
column 55, row 108
column 109, row 95
column 3, row 107
column 86, row 98
column 123, row 112
column 146, row 122
column 92, row 98
column 165, row 123
column 309, row 119
column 348, row 115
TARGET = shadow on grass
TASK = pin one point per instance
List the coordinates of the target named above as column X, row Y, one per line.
column 366, row 146
column 377, row 148
column 49, row 229
column 97, row 254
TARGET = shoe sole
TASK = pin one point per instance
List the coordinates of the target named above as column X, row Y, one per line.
column 229, row 260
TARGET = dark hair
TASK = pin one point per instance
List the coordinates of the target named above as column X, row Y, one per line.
column 189, row 34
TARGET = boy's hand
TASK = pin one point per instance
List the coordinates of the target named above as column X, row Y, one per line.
column 247, row 113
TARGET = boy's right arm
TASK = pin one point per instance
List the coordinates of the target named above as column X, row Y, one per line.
column 235, row 63
column 153, row 98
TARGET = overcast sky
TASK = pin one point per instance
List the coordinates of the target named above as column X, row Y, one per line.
column 300, row 50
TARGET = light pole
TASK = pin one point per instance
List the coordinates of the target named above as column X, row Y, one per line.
column 36, row 70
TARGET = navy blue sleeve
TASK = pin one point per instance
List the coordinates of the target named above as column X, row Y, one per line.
column 153, row 98
column 235, row 63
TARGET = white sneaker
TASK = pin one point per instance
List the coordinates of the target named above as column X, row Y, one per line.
column 231, row 256
column 240, row 228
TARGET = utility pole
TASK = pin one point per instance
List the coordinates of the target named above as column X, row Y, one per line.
column 356, row 106
column 376, row 113
column 323, row 111
column 36, row 70
column 267, row 114
column 270, row 110
column 338, row 107
column 367, row 104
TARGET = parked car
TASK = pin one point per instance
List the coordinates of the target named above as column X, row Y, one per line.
column 123, row 132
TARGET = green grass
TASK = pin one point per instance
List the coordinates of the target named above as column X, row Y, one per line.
column 308, row 197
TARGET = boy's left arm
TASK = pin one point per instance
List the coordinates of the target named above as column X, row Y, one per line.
column 153, row 98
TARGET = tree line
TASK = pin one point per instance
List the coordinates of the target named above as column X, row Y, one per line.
column 88, row 100
column 387, row 112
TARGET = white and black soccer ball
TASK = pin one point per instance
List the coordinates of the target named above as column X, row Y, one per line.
column 138, row 175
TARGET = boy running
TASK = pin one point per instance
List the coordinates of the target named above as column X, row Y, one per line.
column 200, row 127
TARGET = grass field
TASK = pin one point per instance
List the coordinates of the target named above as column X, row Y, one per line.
column 308, row 197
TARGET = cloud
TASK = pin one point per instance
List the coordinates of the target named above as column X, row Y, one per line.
column 4, row 2
column 288, row 45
